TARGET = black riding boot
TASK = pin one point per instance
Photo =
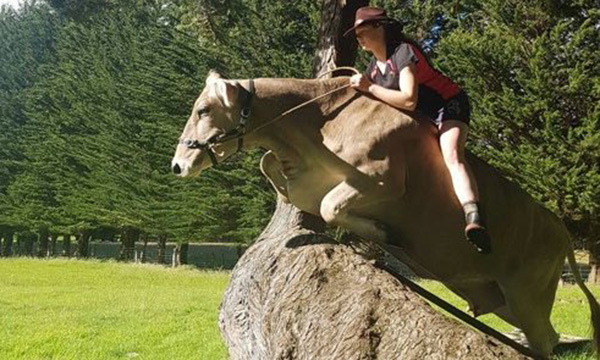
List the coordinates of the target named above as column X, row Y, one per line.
column 475, row 232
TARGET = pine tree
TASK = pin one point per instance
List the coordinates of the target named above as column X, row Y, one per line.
column 26, row 49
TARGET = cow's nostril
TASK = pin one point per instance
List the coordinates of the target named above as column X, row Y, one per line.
column 176, row 169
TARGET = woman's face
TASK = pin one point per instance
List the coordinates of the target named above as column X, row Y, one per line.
column 369, row 36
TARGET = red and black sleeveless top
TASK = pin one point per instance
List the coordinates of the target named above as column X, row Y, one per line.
column 434, row 87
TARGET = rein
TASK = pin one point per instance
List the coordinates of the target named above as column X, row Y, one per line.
column 239, row 131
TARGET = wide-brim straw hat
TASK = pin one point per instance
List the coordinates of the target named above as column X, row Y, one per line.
column 368, row 14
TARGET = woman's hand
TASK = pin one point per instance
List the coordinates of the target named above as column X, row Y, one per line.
column 360, row 82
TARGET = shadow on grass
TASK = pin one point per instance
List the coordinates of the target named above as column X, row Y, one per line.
column 581, row 350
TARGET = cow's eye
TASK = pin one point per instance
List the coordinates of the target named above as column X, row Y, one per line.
column 203, row 111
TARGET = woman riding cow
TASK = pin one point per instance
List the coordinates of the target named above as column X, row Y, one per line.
column 400, row 75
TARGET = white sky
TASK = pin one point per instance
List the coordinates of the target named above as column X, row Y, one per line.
column 13, row 3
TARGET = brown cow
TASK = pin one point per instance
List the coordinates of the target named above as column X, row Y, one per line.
column 378, row 172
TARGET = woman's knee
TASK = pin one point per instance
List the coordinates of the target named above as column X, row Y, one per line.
column 453, row 157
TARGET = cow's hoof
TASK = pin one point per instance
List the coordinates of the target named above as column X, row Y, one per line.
column 386, row 231
column 478, row 236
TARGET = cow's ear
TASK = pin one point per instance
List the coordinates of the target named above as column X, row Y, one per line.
column 212, row 76
column 226, row 92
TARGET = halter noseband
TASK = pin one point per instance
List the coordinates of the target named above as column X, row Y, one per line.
column 236, row 133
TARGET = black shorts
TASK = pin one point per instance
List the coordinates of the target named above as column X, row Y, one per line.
column 456, row 108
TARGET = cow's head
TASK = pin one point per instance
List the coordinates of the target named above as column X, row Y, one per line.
column 216, row 112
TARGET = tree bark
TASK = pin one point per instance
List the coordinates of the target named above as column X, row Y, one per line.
column 334, row 50
column 66, row 245
column 594, row 251
column 52, row 245
column 83, row 243
column 9, row 237
column 161, row 246
column 298, row 294
column 29, row 242
column 143, row 253
column 42, row 250
column 182, row 254
column 129, row 236
column 18, row 244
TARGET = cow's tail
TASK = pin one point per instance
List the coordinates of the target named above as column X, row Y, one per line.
column 594, row 306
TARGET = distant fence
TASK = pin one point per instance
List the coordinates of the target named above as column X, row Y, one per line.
column 209, row 255
column 567, row 274
column 203, row 255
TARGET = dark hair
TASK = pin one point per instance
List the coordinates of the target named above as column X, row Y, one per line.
column 394, row 35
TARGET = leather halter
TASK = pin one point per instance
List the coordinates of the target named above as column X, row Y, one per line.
column 236, row 133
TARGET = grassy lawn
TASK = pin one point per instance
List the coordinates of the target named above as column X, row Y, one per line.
column 68, row 309
column 570, row 314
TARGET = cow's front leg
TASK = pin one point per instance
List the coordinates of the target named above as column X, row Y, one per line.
column 338, row 208
column 271, row 168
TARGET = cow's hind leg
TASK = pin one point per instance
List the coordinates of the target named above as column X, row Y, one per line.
column 338, row 208
column 531, row 308
column 534, row 319
column 504, row 313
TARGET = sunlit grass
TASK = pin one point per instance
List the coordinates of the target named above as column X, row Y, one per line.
column 570, row 314
column 69, row 309
column 65, row 309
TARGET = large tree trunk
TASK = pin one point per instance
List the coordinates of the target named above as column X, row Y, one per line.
column 297, row 294
column 334, row 50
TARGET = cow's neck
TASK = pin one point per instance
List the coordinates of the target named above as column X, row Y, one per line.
column 295, row 133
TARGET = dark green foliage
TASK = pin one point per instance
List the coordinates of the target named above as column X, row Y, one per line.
column 99, row 127
column 26, row 47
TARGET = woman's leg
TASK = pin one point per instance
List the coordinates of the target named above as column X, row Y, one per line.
column 453, row 136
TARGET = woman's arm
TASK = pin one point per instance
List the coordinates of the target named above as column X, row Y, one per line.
column 406, row 98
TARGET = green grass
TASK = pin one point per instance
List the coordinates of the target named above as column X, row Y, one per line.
column 68, row 309
column 570, row 314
